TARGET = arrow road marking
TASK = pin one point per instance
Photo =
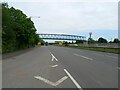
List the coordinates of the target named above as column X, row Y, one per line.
column 49, row 82
column 53, row 57
column 54, row 66
column 83, row 56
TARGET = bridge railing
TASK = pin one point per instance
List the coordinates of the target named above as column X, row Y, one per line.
column 61, row 37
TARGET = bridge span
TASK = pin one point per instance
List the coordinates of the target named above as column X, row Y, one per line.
column 61, row 37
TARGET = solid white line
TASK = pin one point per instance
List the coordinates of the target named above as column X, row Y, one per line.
column 54, row 66
column 83, row 56
column 74, row 81
column 49, row 82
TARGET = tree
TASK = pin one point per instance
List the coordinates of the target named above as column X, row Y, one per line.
column 116, row 40
column 8, row 34
column 102, row 40
column 42, row 42
column 37, row 39
column 66, row 43
column 79, row 41
column 90, row 40
column 18, row 31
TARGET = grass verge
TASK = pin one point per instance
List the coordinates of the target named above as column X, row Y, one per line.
column 102, row 49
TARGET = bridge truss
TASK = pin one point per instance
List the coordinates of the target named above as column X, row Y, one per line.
column 61, row 37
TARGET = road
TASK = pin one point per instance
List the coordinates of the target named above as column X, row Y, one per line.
column 61, row 67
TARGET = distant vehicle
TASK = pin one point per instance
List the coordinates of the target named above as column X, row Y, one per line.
column 46, row 44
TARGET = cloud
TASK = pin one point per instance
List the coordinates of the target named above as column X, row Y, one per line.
column 71, row 16
column 61, row 0
column 67, row 17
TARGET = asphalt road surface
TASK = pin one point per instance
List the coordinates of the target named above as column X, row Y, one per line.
column 61, row 67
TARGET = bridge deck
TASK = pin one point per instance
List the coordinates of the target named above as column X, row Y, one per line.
column 61, row 37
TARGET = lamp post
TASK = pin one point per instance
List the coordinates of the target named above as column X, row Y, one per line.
column 34, row 28
column 34, row 16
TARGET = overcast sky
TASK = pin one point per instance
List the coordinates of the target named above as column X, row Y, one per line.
column 72, row 16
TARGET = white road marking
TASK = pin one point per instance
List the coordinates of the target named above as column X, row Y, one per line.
column 83, row 56
column 74, row 81
column 53, row 57
column 54, row 66
column 49, row 82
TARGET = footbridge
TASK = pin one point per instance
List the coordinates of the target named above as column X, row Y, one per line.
column 61, row 37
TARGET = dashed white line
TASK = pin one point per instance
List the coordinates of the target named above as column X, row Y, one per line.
column 53, row 57
column 83, row 56
column 54, row 66
column 74, row 81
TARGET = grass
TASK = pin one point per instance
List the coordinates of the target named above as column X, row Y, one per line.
column 101, row 49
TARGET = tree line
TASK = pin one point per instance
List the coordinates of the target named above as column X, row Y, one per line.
column 100, row 40
column 18, row 31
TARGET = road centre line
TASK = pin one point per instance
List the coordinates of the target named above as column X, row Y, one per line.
column 53, row 57
column 54, row 66
column 74, row 81
column 83, row 56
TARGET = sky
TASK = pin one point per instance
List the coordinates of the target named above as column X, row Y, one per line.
column 78, row 17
